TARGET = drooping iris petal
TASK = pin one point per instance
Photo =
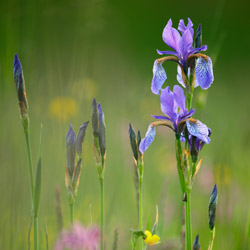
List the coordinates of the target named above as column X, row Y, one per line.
column 204, row 72
column 179, row 76
column 171, row 36
column 198, row 129
column 148, row 139
column 179, row 97
column 159, row 77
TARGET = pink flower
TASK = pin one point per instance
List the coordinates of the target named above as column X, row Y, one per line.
column 79, row 238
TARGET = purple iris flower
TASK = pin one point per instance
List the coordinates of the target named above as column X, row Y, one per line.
column 173, row 106
column 182, row 44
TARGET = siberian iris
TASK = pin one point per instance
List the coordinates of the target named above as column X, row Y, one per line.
column 177, row 117
column 183, row 53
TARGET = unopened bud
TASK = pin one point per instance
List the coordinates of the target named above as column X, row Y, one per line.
column 102, row 140
column 198, row 37
column 196, row 245
column 95, row 125
column 80, row 137
column 133, row 142
column 20, row 87
column 71, row 150
column 212, row 207
column 77, row 174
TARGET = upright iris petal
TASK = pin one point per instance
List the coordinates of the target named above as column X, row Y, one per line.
column 204, row 73
column 159, row 77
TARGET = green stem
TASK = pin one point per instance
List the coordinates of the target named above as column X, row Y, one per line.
column 35, row 233
column 71, row 212
column 101, row 214
column 26, row 133
column 140, row 208
column 178, row 160
column 188, row 220
column 212, row 236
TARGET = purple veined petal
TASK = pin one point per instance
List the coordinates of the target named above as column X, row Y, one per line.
column 185, row 45
column 179, row 76
column 199, row 130
column 182, row 27
column 167, row 53
column 186, row 114
column 204, row 73
column 148, row 139
column 179, row 97
column 196, row 50
column 167, row 103
column 159, row 77
column 161, row 117
column 171, row 36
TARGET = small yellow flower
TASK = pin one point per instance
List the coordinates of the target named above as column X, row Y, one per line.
column 151, row 239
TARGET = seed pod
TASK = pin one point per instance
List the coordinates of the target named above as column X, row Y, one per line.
column 212, row 207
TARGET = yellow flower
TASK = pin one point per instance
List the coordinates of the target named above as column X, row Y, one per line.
column 63, row 108
column 151, row 239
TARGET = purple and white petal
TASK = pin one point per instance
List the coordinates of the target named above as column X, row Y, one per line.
column 148, row 139
column 159, row 77
column 179, row 97
column 199, row 130
column 204, row 73
column 171, row 36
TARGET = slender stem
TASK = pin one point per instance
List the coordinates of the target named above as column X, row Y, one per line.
column 140, row 208
column 178, row 159
column 101, row 214
column 35, row 232
column 188, row 220
column 26, row 133
column 71, row 212
column 212, row 235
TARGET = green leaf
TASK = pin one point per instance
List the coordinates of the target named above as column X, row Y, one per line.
column 37, row 189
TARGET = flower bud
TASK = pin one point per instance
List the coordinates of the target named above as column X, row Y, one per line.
column 80, row 137
column 95, row 125
column 133, row 143
column 212, row 207
column 198, row 37
column 71, row 150
column 196, row 245
column 20, row 87
column 102, row 140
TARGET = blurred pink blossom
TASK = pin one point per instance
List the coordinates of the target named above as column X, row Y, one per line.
column 78, row 238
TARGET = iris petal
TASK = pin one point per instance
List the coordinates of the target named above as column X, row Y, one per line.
column 204, row 73
column 159, row 77
column 199, row 130
column 148, row 139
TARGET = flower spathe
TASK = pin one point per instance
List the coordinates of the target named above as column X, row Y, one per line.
column 151, row 239
column 181, row 41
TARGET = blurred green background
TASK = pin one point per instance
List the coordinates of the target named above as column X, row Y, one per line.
column 72, row 51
